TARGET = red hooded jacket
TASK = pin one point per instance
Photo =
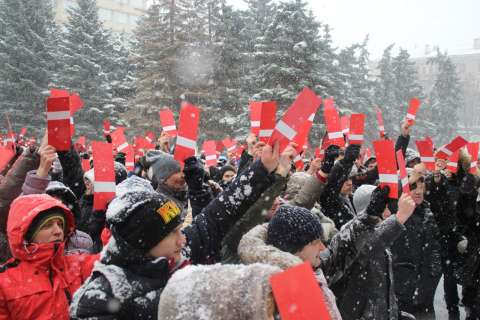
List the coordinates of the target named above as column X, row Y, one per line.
column 40, row 281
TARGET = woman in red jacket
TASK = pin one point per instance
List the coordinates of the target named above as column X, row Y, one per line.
column 39, row 281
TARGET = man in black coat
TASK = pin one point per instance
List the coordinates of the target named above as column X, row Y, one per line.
column 148, row 243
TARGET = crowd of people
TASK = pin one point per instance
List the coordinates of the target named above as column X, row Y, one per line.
column 187, row 241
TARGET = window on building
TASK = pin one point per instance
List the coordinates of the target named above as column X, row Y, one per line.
column 105, row 14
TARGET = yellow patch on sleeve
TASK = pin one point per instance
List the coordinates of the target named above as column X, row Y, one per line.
column 168, row 211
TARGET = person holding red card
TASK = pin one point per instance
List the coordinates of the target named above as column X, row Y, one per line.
column 148, row 243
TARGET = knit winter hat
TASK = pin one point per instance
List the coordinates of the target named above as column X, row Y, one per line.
column 42, row 219
column 292, row 228
column 143, row 217
column 163, row 167
column 225, row 169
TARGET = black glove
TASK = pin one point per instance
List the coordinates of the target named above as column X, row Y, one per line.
column 378, row 201
column 194, row 173
column 331, row 154
column 109, row 138
column 352, row 152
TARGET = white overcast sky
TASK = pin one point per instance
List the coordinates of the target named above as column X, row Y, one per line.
column 412, row 24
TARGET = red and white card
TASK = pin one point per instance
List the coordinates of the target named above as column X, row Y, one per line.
column 413, row 107
column 357, row 128
column 130, row 158
column 255, row 116
column 447, row 150
column 472, row 148
column 452, row 162
column 425, row 149
column 298, row 295
column 119, row 140
column 402, row 169
column 297, row 115
column 381, row 124
column 106, row 127
column 58, row 123
column 167, row 120
column 104, row 174
column 387, row 165
column 150, row 137
column 301, row 139
column 333, row 124
column 268, row 117
column 187, row 132
column 345, row 121
column 210, row 149
column 229, row 144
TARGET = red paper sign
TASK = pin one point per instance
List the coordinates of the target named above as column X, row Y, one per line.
column 301, row 139
column 210, row 149
column 104, row 174
column 425, row 149
column 106, row 127
column 130, row 158
column 387, row 165
column 298, row 295
column 150, row 137
column 6, row 155
column 413, row 109
column 357, row 127
column 58, row 122
column 268, row 117
column 345, row 122
column 23, row 131
column 297, row 115
column 167, row 120
column 333, row 124
column 381, row 125
column 452, row 163
column 187, row 133
column 472, row 148
column 255, row 116
column 59, row 93
column 446, row 151
column 119, row 140
column 402, row 168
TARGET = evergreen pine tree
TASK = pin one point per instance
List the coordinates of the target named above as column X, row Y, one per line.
column 445, row 98
column 26, row 60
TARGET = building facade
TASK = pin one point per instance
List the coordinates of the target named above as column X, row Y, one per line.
column 120, row 16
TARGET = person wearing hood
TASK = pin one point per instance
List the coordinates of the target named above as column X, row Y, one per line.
column 39, row 281
column 227, row 174
column 227, row 292
column 148, row 243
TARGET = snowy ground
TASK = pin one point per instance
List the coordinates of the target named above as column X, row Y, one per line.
column 440, row 306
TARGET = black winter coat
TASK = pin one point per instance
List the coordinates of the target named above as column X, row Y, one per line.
column 417, row 262
column 127, row 285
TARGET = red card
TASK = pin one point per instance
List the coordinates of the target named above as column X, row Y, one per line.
column 301, row 139
column 387, row 165
column 6, row 155
column 150, row 137
column 472, row 148
column 86, row 165
column 345, row 122
column 357, row 128
column 58, row 119
column 413, row 107
column 426, row 154
column 402, row 168
column 268, row 118
column 104, row 174
column 333, row 124
column 130, row 158
column 381, row 125
column 167, row 120
column 23, row 131
column 187, row 133
column 119, row 140
column 446, row 151
column 106, row 127
column 430, row 141
column 210, row 149
column 59, row 93
column 255, row 116
column 297, row 116
column 298, row 295
column 452, row 163
column 229, row 144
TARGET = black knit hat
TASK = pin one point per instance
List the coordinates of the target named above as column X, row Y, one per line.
column 41, row 219
column 148, row 223
column 292, row 228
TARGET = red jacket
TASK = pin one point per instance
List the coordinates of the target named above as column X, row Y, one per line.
column 40, row 281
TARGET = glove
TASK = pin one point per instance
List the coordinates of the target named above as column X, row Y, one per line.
column 194, row 173
column 109, row 138
column 331, row 154
column 462, row 246
column 352, row 153
column 378, row 202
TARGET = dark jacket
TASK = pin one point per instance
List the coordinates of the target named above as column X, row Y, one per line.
column 366, row 288
column 417, row 261
column 132, row 283
column 334, row 205
column 10, row 188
